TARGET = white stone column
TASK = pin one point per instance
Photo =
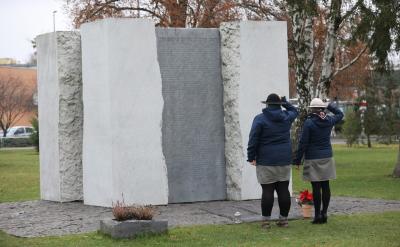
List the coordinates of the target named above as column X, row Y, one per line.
column 60, row 116
column 254, row 64
column 123, row 103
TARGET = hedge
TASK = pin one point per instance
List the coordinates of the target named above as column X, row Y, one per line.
column 11, row 142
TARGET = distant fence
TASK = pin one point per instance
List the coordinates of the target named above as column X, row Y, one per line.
column 13, row 142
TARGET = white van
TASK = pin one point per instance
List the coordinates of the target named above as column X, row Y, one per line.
column 19, row 131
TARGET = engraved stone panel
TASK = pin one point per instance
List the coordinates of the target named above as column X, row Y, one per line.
column 193, row 128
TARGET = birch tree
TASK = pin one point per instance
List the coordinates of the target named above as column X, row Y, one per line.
column 302, row 49
column 375, row 24
column 372, row 23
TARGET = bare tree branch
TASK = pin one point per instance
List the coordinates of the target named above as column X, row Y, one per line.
column 168, row 13
column 355, row 59
column 260, row 9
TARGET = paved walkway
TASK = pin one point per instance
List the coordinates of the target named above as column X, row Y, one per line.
column 338, row 141
column 44, row 218
column 16, row 148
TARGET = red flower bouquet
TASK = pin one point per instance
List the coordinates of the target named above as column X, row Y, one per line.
column 305, row 197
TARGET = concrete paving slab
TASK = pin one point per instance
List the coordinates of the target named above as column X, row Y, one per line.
column 45, row 218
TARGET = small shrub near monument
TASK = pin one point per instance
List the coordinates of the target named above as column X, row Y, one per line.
column 122, row 212
column 132, row 220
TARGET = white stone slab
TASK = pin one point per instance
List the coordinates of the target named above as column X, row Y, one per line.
column 60, row 116
column 122, row 149
column 254, row 64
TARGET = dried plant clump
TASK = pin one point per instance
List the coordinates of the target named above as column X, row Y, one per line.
column 122, row 212
column 142, row 212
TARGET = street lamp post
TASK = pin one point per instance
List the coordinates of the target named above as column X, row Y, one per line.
column 54, row 20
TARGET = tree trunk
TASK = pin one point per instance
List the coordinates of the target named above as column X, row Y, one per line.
column 369, row 141
column 302, row 47
column 2, row 127
column 396, row 171
column 328, row 61
column 209, row 12
column 177, row 11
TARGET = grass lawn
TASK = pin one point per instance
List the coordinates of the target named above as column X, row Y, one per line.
column 361, row 172
column 357, row 230
column 19, row 175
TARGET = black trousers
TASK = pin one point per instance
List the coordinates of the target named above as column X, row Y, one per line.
column 267, row 199
column 321, row 192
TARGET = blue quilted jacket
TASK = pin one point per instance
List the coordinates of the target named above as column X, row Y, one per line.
column 269, row 139
column 315, row 141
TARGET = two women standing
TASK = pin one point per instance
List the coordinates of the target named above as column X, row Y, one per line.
column 269, row 149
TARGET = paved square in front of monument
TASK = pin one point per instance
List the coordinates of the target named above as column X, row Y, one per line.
column 45, row 218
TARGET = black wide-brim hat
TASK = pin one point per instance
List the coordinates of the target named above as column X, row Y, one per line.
column 273, row 99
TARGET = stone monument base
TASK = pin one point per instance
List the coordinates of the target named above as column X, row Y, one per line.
column 132, row 228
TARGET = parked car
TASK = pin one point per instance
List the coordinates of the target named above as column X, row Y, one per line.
column 19, row 131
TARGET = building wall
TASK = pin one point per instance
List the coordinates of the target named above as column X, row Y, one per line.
column 6, row 61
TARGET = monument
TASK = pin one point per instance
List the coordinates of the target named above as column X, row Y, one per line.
column 166, row 111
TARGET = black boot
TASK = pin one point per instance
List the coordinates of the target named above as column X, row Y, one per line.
column 324, row 218
column 317, row 219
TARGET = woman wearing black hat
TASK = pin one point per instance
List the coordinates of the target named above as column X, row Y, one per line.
column 269, row 149
column 315, row 145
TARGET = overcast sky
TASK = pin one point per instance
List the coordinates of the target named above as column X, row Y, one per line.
column 22, row 20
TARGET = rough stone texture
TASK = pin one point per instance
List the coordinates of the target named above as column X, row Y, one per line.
column 230, row 56
column 45, row 218
column 60, row 116
column 132, row 228
column 254, row 64
column 71, row 115
column 193, row 127
column 122, row 94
